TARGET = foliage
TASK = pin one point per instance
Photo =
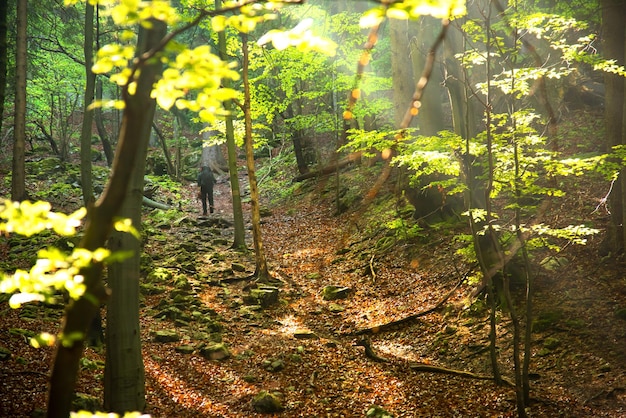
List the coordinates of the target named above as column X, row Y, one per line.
column 54, row 270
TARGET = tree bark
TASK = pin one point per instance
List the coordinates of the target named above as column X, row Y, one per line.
column 424, row 33
column 261, row 272
column 102, row 132
column 124, row 378
column 85, row 135
column 18, row 174
column 239, row 239
column 613, row 17
column 79, row 313
column 4, row 11
column 402, row 75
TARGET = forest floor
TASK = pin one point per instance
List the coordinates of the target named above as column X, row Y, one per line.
column 312, row 352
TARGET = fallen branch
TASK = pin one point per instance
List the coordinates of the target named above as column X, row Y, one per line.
column 403, row 321
column 329, row 169
column 369, row 351
column 420, row 367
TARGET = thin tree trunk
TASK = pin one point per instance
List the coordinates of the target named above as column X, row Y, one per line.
column 4, row 11
column 85, row 135
column 166, row 151
column 239, row 239
column 262, row 273
column 18, row 174
column 102, row 132
column 613, row 16
column 136, row 118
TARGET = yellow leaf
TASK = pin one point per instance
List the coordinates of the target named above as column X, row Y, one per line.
column 218, row 23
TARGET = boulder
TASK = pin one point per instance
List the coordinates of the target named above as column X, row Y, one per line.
column 335, row 292
column 165, row 336
column 215, row 351
column 268, row 402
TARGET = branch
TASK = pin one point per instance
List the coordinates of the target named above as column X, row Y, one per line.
column 389, row 325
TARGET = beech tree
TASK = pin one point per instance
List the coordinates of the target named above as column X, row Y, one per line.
column 18, row 174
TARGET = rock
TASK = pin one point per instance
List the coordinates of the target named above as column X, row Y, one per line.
column 220, row 241
column 274, row 365
column 305, row 334
column 264, row 296
column 185, row 349
column 268, row 403
column 336, row 308
column 238, row 267
column 5, row 353
column 216, row 351
column 159, row 274
column 376, row 411
column 171, row 312
column 165, row 336
column 551, row 343
column 84, row 402
column 151, row 289
column 335, row 292
column 621, row 313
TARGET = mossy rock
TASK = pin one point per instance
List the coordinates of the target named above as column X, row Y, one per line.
column 215, row 351
column 159, row 274
column 268, row 402
column 336, row 308
column 166, row 336
column 376, row 411
column 265, row 296
column 546, row 320
column 335, row 292
column 621, row 313
column 84, row 402
column 238, row 267
column 170, row 312
column 5, row 353
column 551, row 343
column 151, row 289
column 185, row 349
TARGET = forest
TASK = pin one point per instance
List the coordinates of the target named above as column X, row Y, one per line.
column 312, row 208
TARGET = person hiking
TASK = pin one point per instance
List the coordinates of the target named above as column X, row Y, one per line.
column 206, row 182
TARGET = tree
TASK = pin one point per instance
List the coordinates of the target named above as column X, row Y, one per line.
column 239, row 238
column 18, row 174
column 124, row 370
column 261, row 271
column 614, row 46
column 85, row 135
column 4, row 11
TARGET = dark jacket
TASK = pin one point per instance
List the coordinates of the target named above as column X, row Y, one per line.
column 206, row 179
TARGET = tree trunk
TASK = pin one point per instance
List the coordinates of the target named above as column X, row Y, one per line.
column 85, row 135
column 136, row 120
column 261, row 272
column 166, row 151
column 212, row 156
column 124, row 379
column 102, row 132
column 613, row 17
column 431, row 113
column 18, row 174
column 239, row 239
column 4, row 10
column 402, row 76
